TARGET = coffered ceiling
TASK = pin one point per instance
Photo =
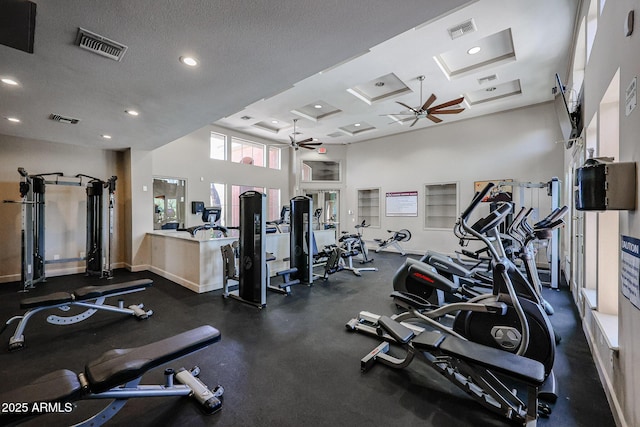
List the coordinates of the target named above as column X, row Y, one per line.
column 339, row 69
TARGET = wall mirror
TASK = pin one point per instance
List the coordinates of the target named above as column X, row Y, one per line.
column 316, row 170
column 168, row 203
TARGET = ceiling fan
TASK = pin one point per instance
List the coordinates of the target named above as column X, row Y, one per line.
column 426, row 110
column 308, row 143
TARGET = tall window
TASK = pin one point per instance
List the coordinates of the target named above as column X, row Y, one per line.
column 274, row 158
column 236, row 191
column 247, row 152
column 273, row 203
column 217, row 199
column 217, row 146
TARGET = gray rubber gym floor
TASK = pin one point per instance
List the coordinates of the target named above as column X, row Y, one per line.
column 292, row 363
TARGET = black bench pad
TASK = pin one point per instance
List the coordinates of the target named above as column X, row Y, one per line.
column 46, row 300
column 83, row 294
column 58, row 386
column 93, row 292
column 119, row 366
column 518, row 367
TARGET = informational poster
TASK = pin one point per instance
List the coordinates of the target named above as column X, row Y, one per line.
column 631, row 95
column 630, row 269
column 402, row 203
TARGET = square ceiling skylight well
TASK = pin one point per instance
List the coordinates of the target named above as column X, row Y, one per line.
column 379, row 89
column 272, row 127
column 492, row 93
column 494, row 49
column 316, row 111
column 356, row 128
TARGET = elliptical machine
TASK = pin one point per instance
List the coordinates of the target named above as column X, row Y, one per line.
column 503, row 319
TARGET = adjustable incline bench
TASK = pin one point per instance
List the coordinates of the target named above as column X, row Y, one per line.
column 116, row 376
column 89, row 297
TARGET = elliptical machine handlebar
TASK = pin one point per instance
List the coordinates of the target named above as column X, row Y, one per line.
column 500, row 263
column 476, row 200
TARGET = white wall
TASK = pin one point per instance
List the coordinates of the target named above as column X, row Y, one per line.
column 612, row 51
column 65, row 209
column 519, row 145
column 188, row 158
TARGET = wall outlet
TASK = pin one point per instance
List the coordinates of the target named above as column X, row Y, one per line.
column 56, row 256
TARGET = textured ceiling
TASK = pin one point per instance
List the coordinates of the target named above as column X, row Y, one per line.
column 248, row 51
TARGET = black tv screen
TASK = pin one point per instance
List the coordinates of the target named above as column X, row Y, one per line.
column 17, row 24
column 570, row 120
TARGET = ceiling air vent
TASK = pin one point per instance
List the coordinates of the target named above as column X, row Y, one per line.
column 461, row 29
column 100, row 45
column 62, row 119
column 487, row 79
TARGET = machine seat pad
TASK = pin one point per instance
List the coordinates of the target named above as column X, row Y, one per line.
column 57, row 386
column 119, row 366
column 93, row 292
column 518, row 367
column 46, row 300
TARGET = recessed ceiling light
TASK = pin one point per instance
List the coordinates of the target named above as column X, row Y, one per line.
column 9, row 81
column 131, row 112
column 317, row 106
column 189, row 60
column 474, row 50
column 105, row 136
column 13, row 119
column 275, row 122
column 379, row 84
column 356, row 124
column 491, row 89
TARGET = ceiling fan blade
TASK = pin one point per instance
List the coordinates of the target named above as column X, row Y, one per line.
column 429, row 101
column 305, row 140
column 307, row 147
column 293, row 140
column 407, row 107
column 449, row 111
column 414, row 122
column 309, row 143
column 447, row 104
column 434, row 119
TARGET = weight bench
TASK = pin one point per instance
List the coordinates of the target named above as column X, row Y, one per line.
column 473, row 367
column 116, row 376
column 89, row 297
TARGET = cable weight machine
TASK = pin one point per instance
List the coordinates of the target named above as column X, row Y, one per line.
column 100, row 208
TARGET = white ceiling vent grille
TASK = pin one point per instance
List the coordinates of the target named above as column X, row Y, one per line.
column 100, row 45
column 487, row 79
column 63, row 119
column 460, row 30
